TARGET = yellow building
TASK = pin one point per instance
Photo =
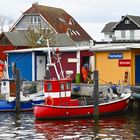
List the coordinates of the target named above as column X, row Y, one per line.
column 118, row 63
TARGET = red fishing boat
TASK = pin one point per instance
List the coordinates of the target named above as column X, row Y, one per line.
column 59, row 104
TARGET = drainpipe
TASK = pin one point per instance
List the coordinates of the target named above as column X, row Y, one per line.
column 78, row 63
column 33, row 66
column 78, row 68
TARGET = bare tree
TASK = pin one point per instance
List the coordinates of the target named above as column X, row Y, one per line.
column 37, row 37
column 5, row 21
column 10, row 22
column 2, row 22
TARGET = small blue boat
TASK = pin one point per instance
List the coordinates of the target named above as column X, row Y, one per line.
column 6, row 106
column 29, row 96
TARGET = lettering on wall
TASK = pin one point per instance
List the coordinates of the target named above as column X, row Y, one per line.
column 124, row 63
column 115, row 55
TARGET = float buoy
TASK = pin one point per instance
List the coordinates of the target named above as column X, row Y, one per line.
column 49, row 101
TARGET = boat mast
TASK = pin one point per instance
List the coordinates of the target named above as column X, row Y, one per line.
column 60, row 65
column 49, row 60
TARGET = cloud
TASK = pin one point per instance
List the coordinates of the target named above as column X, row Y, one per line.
column 94, row 30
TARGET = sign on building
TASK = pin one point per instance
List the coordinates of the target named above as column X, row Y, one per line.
column 124, row 63
column 115, row 55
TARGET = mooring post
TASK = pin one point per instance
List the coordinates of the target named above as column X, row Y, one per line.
column 17, row 81
column 96, row 94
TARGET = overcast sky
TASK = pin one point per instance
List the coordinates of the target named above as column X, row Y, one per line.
column 92, row 15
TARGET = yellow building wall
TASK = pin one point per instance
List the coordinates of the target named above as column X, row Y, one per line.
column 109, row 69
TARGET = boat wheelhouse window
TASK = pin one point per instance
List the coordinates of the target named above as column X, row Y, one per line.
column 49, row 87
column 68, row 87
column 62, row 86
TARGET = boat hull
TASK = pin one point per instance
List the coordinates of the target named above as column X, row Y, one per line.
column 57, row 112
column 6, row 106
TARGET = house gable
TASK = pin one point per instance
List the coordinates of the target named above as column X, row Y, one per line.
column 126, row 23
column 127, row 29
column 33, row 21
column 59, row 20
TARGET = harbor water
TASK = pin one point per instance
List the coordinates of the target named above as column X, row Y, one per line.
column 23, row 126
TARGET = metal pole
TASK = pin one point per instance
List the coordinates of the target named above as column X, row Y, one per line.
column 95, row 94
column 17, row 81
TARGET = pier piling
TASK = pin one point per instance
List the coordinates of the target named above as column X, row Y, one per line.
column 96, row 93
column 16, row 74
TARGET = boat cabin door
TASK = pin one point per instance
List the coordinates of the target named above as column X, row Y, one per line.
column 41, row 66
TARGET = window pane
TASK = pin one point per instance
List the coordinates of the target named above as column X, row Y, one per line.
column 132, row 34
column 68, row 87
column 49, row 87
column 123, row 34
column 62, row 86
column 35, row 20
column 39, row 20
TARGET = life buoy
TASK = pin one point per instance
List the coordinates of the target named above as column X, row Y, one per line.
column 49, row 101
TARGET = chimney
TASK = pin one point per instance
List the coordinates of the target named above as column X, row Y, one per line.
column 35, row 4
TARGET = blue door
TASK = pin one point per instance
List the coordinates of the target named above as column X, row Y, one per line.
column 23, row 63
column 137, row 70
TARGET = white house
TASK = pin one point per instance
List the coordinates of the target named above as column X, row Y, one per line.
column 127, row 29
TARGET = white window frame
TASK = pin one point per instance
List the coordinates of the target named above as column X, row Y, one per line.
column 123, row 34
column 132, row 34
column 127, row 21
column 34, row 20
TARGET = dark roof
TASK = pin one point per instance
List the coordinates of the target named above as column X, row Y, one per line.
column 135, row 19
column 108, row 27
column 23, row 38
column 62, row 40
column 60, row 20
column 15, row 38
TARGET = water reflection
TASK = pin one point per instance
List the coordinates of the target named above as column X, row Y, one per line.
column 24, row 126
column 83, row 129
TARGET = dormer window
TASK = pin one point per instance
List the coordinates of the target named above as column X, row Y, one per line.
column 71, row 21
column 127, row 21
column 68, row 32
column 73, row 32
column 78, row 33
column 62, row 20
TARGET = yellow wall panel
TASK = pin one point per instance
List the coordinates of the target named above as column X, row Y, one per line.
column 109, row 69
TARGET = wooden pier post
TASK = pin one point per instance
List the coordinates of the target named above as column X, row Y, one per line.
column 16, row 74
column 96, row 93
